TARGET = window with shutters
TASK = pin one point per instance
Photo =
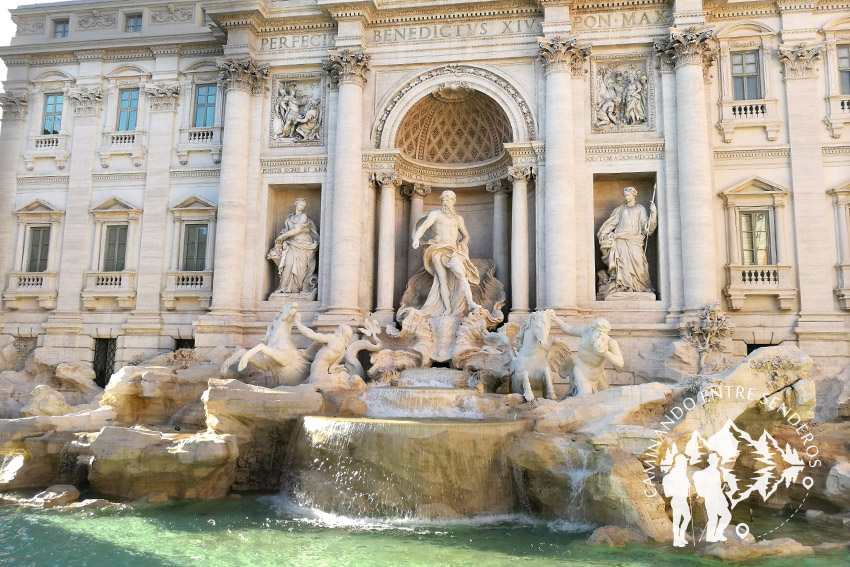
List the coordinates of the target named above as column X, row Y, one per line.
column 39, row 247
column 115, row 248
column 195, row 248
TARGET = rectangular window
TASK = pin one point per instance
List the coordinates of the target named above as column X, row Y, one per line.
column 844, row 68
column 204, row 106
column 104, row 360
column 39, row 247
column 195, row 248
column 115, row 249
column 745, row 75
column 52, row 113
column 134, row 22
column 755, row 238
column 60, row 28
column 128, row 108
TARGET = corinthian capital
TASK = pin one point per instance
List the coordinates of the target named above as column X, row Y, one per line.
column 497, row 186
column 417, row 189
column 14, row 104
column 800, row 61
column 518, row 172
column 86, row 100
column 163, row 95
column 562, row 54
column 383, row 178
column 243, row 75
column 347, row 66
column 688, row 46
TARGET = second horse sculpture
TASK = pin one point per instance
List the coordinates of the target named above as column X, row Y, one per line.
column 277, row 353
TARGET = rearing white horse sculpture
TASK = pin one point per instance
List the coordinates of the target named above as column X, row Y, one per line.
column 277, row 353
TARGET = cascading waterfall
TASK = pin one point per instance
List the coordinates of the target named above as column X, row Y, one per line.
column 403, row 467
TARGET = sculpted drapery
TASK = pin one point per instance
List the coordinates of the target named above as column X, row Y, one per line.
column 295, row 250
column 621, row 240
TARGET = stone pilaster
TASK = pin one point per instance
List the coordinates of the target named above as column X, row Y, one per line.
column 347, row 69
column 501, row 225
column 416, row 193
column 691, row 51
column 560, row 57
column 387, row 183
column 11, row 139
column 519, row 177
column 242, row 79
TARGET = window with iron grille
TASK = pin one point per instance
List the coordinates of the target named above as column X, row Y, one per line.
column 39, row 248
column 128, row 108
column 134, row 23
column 844, row 68
column 755, row 238
column 205, row 106
column 104, row 360
column 52, row 113
column 115, row 248
column 745, row 75
column 195, row 248
column 60, row 28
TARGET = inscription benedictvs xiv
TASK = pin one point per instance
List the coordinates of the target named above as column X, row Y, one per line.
column 455, row 30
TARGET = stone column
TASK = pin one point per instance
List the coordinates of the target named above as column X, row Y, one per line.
column 519, row 176
column 691, row 52
column 559, row 57
column 815, row 256
column 416, row 194
column 347, row 68
column 241, row 79
column 12, row 140
column 501, row 225
column 387, row 182
column 152, row 256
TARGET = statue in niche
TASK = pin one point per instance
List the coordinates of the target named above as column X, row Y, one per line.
column 447, row 260
column 294, row 253
column 622, row 240
column 295, row 116
column 622, row 97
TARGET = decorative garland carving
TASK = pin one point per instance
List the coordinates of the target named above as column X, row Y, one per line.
column 243, row 75
column 688, row 47
column 561, row 54
column 172, row 13
column 87, row 101
column 14, row 104
column 96, row 20
column 163, row 95
column 457, row 70
column 799, row 61
column 347, row 66
column 29, row 26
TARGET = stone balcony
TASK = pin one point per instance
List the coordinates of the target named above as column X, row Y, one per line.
column 199, row 140
column 746, row 281
column 839, row 114
column 737, row 114
column 188, row 286
column 48, row 146
column 122, row 143
column 104, row 286
column 37, row 286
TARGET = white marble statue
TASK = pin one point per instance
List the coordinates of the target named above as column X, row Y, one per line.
column 294, row 253
column 294, row 115
column 326, row 363
column 447, row 260
column 622, row 241
column 594, row 349
column 276, row 353
column 533, row 358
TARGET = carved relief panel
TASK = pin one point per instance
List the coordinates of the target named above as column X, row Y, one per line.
column 297, row 110
column 622, row 93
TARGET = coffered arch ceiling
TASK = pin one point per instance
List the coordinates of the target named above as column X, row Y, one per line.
column 455, row 124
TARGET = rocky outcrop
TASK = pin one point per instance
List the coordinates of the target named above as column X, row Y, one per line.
column 151, row 395
column 261, row 420
column 130, row 464
column 737, row 551
column 56, row 495
column 46, row 401
column 614, row 536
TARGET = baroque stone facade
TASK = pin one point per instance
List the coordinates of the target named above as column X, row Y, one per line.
column 145, row 178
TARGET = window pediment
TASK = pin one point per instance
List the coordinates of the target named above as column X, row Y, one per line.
column 754, row 187
column 39, row 207
column 115, row 207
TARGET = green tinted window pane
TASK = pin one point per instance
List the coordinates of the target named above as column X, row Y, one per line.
column 116, row 248
column 205, row 106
